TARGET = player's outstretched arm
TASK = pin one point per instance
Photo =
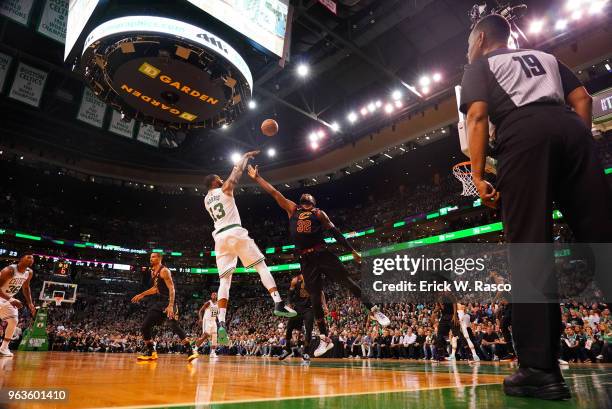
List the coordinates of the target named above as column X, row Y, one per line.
column 202, row 310
column 288, row 205
column 234, row 177
column 328, row 225
column 27, row 294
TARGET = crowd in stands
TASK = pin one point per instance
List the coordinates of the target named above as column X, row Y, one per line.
column 104, row 320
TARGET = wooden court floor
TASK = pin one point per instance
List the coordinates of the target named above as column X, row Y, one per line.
column 117, row 380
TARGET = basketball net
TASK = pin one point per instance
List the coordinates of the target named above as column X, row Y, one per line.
column 463, row 172
column 58, row 300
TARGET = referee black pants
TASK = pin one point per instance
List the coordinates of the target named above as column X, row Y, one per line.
column 545, row 153
column 304, row 319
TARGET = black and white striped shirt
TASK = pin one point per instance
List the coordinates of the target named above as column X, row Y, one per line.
column 508, row 79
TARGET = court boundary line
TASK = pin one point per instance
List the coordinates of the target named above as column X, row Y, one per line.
column 333, row 395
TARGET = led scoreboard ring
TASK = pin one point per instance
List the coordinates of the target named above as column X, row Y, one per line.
column 166, row 72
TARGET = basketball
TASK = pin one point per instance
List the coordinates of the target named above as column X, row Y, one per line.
column 269, row 127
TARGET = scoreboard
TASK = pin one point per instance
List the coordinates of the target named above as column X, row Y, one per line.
column 61, row 268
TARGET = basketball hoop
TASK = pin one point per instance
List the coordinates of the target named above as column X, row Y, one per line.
column 463, row 172
column 58, row 300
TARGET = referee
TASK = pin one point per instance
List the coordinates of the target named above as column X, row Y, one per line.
column 542, row 116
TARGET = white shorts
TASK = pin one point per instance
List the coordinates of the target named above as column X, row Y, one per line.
column 7, row 310
column 232, row 244
column 209, row 327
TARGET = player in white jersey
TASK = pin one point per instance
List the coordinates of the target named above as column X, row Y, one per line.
column 13, row 278
column 232, row 241
column 208, row 318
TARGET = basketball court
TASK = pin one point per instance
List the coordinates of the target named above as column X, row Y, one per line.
column 116, row 380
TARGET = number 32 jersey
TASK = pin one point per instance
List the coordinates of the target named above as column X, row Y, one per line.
column 306, row 229
column 508, row 79
column 222, row 208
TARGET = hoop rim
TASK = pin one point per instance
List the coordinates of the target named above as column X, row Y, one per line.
column 456, row 166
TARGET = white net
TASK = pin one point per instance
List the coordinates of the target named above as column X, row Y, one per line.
column 463, row 172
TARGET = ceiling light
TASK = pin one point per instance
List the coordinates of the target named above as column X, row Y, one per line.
column 320, row 134
column 371, row 107
column 597, row 7
column 397, row 94
column 536, row 26
column 561, row 25
column 577, row 15
column 335, row 126
column 224, row 126
column 314, row 144
column 235, row 157
column 352, row 117
column 437, row 77
column 364, row 111
column 388, row 156
column 398, row 104
column 424, row 81
column 378, row 103
column 313, row 137
column 252, row 104
column 271, row 152
column 359, row 166
column 425, row 90
column 388, row 108
column 303, row 70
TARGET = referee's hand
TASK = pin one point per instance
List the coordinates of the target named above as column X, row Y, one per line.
column 487, row 193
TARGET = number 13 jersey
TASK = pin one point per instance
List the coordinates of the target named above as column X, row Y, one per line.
column 222, row 208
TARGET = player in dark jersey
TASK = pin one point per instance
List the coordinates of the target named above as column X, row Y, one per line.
column 446, row 323
column 307, row 225
column 545, row 151
column 299, row 299
column 162, row 306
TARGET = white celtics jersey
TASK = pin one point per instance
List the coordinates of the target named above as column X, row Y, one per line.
column 222, row 208
column 211, row 312
column 12, row 286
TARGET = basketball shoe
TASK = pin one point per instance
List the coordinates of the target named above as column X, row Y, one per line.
column 379, row 317
column 325, row 345
column 222, row 338
column 283, row 310
column 6, row 352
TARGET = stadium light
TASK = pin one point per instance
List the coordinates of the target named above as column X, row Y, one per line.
column 388, row 108
column 577, row 15
column 314, row 145
column 561, row 25
column 320, row 134
column 224, row 126
column 352, row 117
column 425, row 90
column 424, row 81
column 397, row 94
column 371, row 107
column 378, row 103
column 364, row 111
column 437, row 77
column 335, row 126
column 271, row 152
column 303, row 70
column 252, row 104
column 573, row 4
column 398, row 104
column 313, row 137
column 536, row 26
column 597, row 7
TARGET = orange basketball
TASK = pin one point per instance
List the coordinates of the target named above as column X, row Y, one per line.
column 269, row 127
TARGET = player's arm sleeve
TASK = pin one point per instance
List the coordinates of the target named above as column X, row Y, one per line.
column 292, row 292
column 335, row 232
column 568, row 79
column 474, row 85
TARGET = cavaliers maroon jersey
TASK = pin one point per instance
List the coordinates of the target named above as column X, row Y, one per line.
column 306, row 229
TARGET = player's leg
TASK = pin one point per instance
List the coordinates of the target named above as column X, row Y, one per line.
column 251, row 256
column 308, row 326
column 189, row 347
column 333, row 268
column 213, row 339
column 226, row 264
column 294, row 323
column 153, row 317
column 10, row 315
column 314, row 285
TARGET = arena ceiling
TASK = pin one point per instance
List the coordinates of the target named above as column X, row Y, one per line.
column 362, row 54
